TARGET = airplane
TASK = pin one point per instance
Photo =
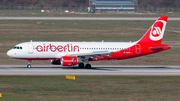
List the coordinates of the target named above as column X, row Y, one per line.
column 78, row 53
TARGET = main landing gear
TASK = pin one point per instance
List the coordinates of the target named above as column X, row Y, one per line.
column 81, row 65
column 29, row 64
column 87, row 66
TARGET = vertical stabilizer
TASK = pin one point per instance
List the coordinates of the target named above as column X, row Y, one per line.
column 155, row 32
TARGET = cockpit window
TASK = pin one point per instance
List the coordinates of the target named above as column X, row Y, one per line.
column 17, row 47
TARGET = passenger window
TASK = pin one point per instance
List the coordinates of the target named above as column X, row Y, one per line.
column 17, row 47
column 14, row 47
column 20, row 47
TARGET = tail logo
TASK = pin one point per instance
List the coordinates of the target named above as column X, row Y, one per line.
column 157, row 30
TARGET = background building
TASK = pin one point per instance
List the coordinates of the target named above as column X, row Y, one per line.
column 113, row 6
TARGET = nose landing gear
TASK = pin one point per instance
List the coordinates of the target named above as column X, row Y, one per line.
column 29, row 64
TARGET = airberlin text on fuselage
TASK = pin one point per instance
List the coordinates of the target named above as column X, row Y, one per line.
column 59, row 48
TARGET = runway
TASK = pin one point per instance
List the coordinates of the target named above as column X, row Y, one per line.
column 88, row 18
column 123, row 70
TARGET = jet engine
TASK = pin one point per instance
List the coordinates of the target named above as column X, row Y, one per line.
column 69, row 61
column 56, row 62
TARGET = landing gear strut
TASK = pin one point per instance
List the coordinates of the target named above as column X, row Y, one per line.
column 88, row 66
column 29, row 64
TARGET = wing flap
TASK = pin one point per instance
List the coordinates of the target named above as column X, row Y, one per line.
column 92, row 54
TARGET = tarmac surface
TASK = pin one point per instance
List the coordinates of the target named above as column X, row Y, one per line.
column 124, row 70
column 88, row 18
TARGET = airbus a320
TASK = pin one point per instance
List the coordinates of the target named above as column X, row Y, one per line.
column 78, row 53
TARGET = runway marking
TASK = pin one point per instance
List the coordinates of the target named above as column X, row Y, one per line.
column 88, row 18
column 96, row 70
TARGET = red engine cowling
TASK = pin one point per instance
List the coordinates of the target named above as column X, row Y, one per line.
column 56, row 62
column 69, row 61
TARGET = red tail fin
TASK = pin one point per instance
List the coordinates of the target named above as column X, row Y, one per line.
column 155, row 32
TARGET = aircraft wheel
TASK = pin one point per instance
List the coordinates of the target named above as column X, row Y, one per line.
column 28, row 66
column 81, row 65
column 88, row 66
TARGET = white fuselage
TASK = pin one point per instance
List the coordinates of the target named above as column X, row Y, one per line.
column 59, row 49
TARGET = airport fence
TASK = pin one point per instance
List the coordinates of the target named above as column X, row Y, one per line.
column 83, row 9
column 45, row 8
column 158, row 9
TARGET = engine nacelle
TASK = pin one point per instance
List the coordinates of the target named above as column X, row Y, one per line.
column 69, row 61
column 56, row 62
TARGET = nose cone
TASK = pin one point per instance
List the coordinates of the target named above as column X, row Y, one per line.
column 10, row 53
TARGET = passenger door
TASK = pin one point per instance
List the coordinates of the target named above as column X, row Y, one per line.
column 30, row 48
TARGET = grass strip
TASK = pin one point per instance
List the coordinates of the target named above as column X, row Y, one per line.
column 90, row 88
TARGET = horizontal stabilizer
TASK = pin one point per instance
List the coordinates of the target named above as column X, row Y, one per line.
column 162, row 47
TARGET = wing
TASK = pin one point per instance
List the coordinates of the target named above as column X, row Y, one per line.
column 91, row 55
